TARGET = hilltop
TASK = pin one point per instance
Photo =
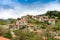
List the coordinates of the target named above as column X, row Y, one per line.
column 30, row 27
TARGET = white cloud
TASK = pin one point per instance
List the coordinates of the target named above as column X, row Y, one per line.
column 34, row 9
column 7, row 14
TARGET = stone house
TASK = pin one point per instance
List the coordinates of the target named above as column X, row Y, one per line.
column 42, row 18
column 27, row 16
column 20, row 23
column 30, row 27
column 35, row 17
column 51, row 21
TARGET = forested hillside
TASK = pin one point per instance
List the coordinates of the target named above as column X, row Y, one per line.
column 53, row 14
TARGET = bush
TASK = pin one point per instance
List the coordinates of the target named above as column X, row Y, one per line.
column 7, row 34
column 1, row 31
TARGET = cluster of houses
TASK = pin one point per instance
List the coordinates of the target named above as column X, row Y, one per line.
column 20, row 23
column 23, row 20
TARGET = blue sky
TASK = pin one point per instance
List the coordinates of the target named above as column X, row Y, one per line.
column 18, row 8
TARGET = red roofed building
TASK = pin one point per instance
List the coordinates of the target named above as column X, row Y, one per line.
column 21, row 22
column 30, row 25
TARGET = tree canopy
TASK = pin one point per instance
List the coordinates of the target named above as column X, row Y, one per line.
column 53, row 14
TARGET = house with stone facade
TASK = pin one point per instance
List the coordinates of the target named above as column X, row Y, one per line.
column 44, row 18
column 51, row 21
column 30, row 27
column 20, row 23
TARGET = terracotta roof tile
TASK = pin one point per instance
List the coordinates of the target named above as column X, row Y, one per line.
column 30, row 25
column 2, row 38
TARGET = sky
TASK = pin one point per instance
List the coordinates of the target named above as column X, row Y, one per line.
column 18, row 8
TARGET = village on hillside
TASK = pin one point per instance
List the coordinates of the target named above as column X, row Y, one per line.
column 30, row 27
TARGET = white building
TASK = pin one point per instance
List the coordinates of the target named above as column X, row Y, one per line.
column 43, row 18
column 51, row 21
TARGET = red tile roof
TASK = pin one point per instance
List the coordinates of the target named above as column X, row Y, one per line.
column 3, row 38
column 30, row 25
column 22, row 20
